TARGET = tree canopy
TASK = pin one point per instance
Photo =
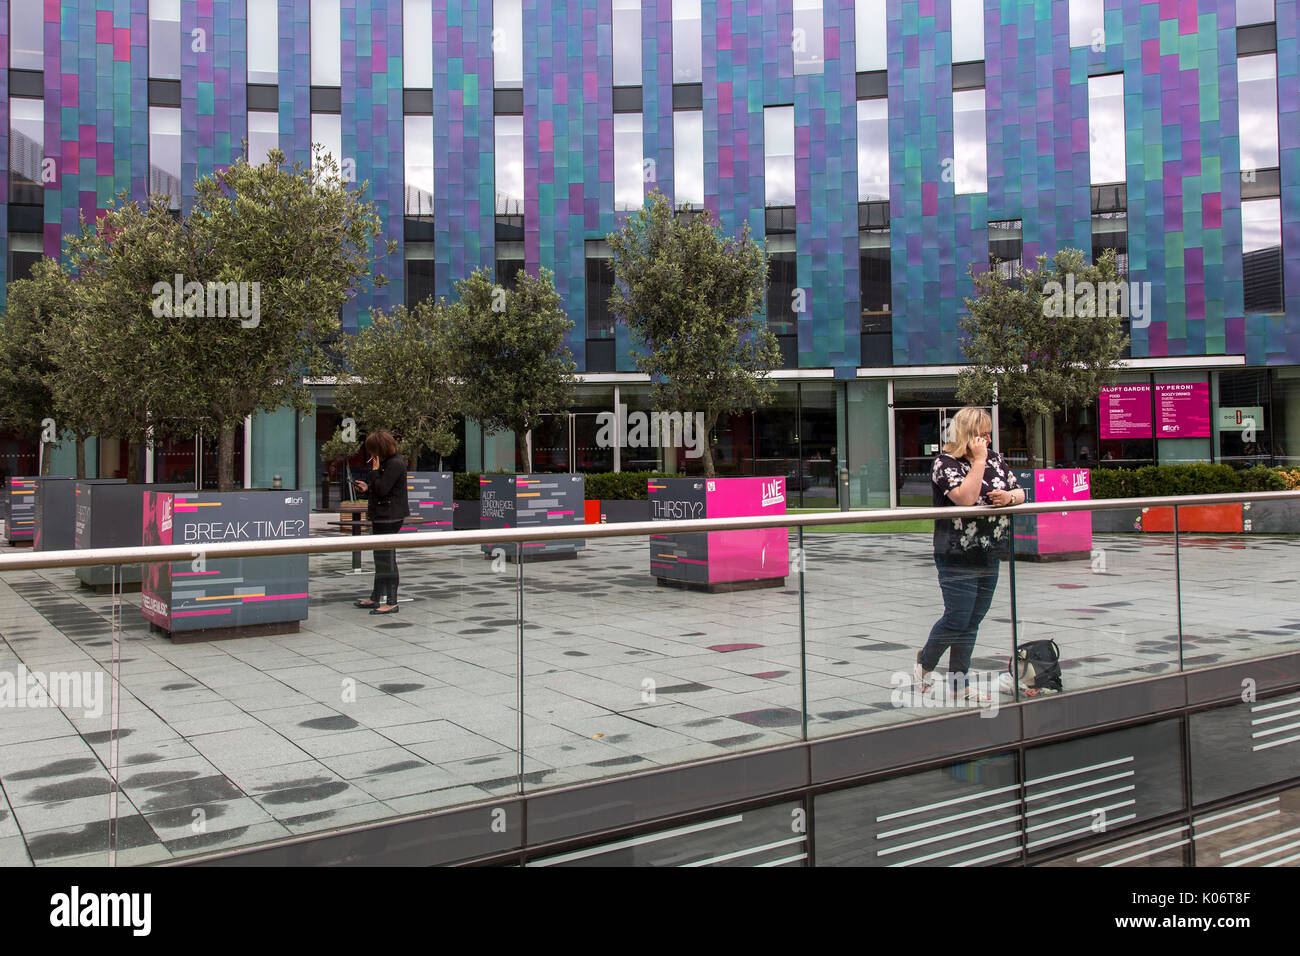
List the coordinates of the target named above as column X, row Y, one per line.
column 692, row 299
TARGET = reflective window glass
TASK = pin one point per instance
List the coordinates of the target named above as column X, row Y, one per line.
column 263, row 41
column 778, row 155
column 969, row 142
column 686, row 42
column 688, row 158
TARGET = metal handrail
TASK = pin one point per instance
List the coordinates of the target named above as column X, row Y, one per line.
column 441, row 539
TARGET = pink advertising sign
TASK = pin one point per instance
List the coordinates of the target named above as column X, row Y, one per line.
column 753, row 554
column 1126, row 411
column 1183, row 410
column 1063, row 531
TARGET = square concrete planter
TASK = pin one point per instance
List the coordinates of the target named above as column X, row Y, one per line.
column 111, row 516
column 56, row 511
column 228, row 597
column 719, row 560
column 532, row 501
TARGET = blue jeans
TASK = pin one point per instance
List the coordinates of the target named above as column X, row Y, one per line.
column 967, row 582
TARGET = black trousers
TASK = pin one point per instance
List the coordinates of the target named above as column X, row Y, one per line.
column 385, row 589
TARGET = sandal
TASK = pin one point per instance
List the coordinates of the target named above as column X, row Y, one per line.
column 920, row 677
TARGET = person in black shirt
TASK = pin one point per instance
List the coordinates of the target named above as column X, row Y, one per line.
column 966, row 550
column 385, row 490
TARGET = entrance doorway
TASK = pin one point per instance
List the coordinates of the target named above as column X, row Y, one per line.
column 919, row 434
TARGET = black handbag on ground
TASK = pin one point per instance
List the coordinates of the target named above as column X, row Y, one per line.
column 1037, row 667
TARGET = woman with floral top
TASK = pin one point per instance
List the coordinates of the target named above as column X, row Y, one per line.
column 966, row 550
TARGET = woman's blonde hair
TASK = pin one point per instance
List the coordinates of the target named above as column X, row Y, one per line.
column 969, row 423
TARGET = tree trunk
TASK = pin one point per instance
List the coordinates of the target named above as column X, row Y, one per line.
column 132, row 454
column 43, row 451
column 707, row 441
column 81, row 457
column 524, row 452
column 226, row 458
column 1034, row 439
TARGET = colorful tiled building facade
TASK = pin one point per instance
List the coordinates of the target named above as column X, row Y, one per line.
column 881, row 147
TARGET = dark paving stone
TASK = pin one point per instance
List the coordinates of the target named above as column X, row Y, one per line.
column 880, row 646
column 104, row 736
column 59, row 768
column 618, row 761
column 144, row 758
column 478, row 630
column 846, row 714
column 184, row 816
column 201, row 841
column 337, row 722
column 191, row 793
column 705, row 722
column 71, row 789
column 480, row 760
column 683, row 688
column 132, row 832
column 736, row 741
column 157, row 777
column 178, row 686
column 304, row 794
column 400, row 765
column 770, row 717
column 576, row 654
column 728, row 648
column 769, row 675
column 400, row 688
column 316, row 817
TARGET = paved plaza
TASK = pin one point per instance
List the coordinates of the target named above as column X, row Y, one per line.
column 358, row 718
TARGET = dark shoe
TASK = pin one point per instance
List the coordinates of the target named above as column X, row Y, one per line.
column 391, row 610
column 364, row 604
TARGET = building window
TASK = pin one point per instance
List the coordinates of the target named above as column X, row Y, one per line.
column 165, row 39
column 870, row 31
column 1087, row 22
column 782, row 281
column 600, row 284
column 1110, row 223
column 809, row 36
column 967, row 30
column 877, row 289
column 1255, row 11
column 1257, row 98
column 509, row 158
column 263, row 135
column 778, row 155
column 26, row 150
column 1006, row 246
column 263, row 41
column 873, row 150
column 417, row 152
column 419, row 272
column 165, row 153
column 325, row 44
column 687, row 57
column 627, row 42
column 417, row 44
column 327, row 132
column 1106, row 158
column 25, row 250
column 629, row 193
column 688, row 158
column 507, row 44
column 27, row 36
column 509, row 263
column 969, row 143
column 1261, row 255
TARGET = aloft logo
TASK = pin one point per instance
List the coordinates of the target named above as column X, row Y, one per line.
column 241, row 300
